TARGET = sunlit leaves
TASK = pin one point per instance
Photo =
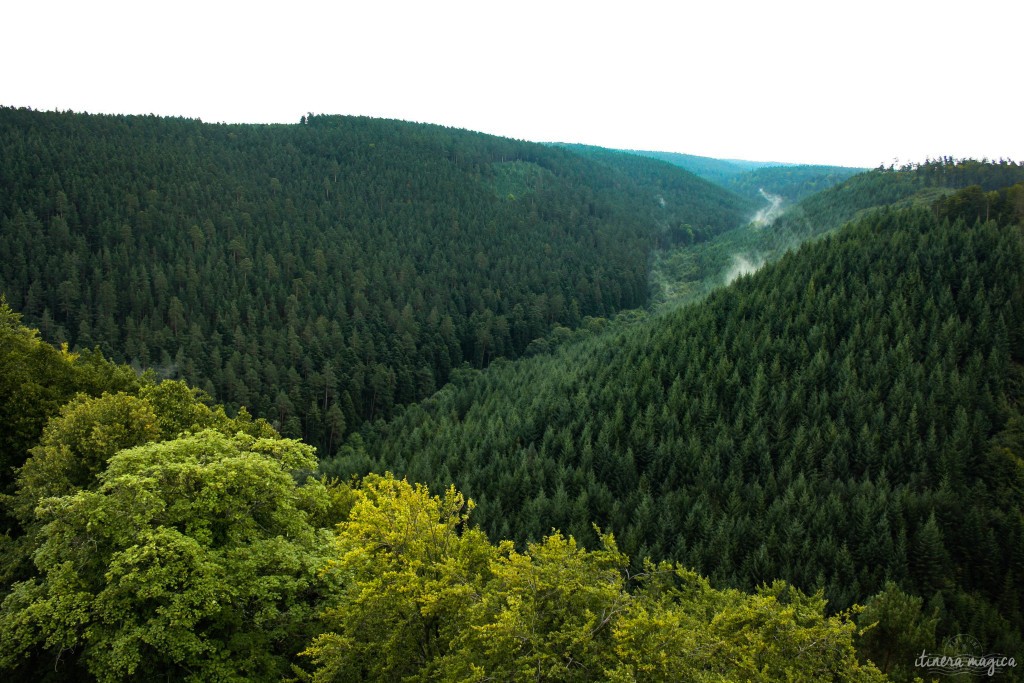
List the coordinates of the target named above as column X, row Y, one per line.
column 426, row 598
column 192, row 556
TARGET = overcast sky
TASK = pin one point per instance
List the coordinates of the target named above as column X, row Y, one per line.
column 851, row 83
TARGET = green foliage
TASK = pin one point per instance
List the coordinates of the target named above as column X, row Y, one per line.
column 792, row 183
column 36, row 380
column 406, row 571
column 77, row 443
column 894, row 631
column 1005, row 205
column 193, row 559
column 845, row 417
column 689, row 631
column 545, row 614
column 428, row 598
column 319, row 274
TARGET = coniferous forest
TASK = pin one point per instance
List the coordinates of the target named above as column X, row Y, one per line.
column 321, row 273
column 354, row 399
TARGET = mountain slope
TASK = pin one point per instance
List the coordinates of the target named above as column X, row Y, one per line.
column 747, row 178
column 186, row 545
column 911, row 185
column 684, row 272
column 699, row 209
column 791, row 182
column 319, row 273
column 718, row 171
column 847, row 416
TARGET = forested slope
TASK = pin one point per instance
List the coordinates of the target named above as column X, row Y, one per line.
column 683, row 272
column 320, row 273
column 710, row 208
column 848, row 416
column 156, row 538
column 791, row 182
column 748, row 178
column 913, row 184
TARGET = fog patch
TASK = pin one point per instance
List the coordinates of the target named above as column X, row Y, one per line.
column 743, row 265
column 767, row 214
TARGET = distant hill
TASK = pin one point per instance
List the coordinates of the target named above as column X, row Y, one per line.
column 790, row 181
column 718, row 171
column 682, row 273
column 911, row 185
column 699, row 208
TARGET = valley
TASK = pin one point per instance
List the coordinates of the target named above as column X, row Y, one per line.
column 360, row 399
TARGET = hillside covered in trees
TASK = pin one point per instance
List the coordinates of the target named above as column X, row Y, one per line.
column 792, row 182
column 910, row 185
column 682, row 273
column 321, row 273
column 718, row 171
column 157, row 538
column 423, row 439
column 846, row 418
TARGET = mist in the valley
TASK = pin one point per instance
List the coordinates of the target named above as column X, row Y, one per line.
column 743, row 264
column 767, row 214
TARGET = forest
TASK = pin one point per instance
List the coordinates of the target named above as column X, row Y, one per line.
column 792, row 182
column 158, row 538
column 354, row 399
column 685, row 272
column 323, row 273
column 847, row 418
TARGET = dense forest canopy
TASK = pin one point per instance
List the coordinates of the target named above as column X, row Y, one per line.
column 321, row 273
column 718, row 171
column 847, row 417
column 176, row 543
column 792, row 182
column 468, row 460
column 683, row 272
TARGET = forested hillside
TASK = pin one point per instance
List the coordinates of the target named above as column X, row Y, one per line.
column 319, row 273
column 718, row 171
column 790, row 182
column 683, row 273
column 711, row 209
column 155, row 538
column 910, row 185
column 793, row 182
column 849, row 416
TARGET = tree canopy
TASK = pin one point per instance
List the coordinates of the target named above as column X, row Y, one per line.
column 846, row 417
column 320, row 273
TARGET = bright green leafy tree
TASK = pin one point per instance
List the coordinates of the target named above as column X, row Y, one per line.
column 426, row 597
column 194, row 559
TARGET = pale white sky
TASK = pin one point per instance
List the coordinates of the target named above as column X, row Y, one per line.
column 852, row 83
